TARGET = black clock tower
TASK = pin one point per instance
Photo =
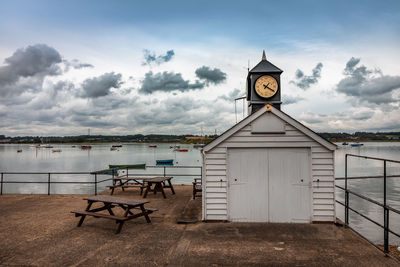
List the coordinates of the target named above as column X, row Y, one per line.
column 259, row 79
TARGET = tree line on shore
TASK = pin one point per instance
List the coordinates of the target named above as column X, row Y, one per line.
column 362, row 136
column 334, row 137
column 137, row 138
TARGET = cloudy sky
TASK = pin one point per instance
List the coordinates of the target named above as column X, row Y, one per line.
column 175, row 67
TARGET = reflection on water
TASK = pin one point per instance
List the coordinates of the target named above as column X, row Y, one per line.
column 73, row 159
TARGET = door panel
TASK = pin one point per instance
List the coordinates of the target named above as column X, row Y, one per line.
column 289, row 179
column 301, row 187
column 248, row 185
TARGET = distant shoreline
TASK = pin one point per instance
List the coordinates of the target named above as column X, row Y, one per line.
column 105, row 142
column 174, row 142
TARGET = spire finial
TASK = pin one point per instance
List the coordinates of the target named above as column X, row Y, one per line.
column 263, row 56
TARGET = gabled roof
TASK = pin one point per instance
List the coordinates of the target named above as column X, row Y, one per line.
column 280, row 114
column 265, row 66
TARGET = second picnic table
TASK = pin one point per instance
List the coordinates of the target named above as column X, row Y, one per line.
column 159, row 185
column 109, row 202
column 146, row 183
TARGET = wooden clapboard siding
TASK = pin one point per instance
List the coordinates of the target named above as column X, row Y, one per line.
column 215, row 190
column 216, row 169
column 322, row 163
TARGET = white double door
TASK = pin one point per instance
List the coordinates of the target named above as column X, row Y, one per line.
column 269, row 185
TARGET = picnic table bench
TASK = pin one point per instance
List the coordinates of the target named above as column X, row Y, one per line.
column 109, row 203
column 197, row 187
column 146, row 183
column 159, row 185
column 125, row 182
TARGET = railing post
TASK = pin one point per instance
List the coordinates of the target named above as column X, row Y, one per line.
column 385, row 213
column 48, row 185
column 127, row 171
column 1, row 188
column 164, row 171
column 95, row 184
column 346, row 195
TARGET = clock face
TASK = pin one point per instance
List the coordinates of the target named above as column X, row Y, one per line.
column 266, row 86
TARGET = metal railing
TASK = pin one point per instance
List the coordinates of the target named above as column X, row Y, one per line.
column 386, row 208
column 95, row 181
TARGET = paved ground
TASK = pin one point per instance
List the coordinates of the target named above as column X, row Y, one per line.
column 37, row 230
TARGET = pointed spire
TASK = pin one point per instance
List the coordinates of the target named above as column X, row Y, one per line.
column 263, row 56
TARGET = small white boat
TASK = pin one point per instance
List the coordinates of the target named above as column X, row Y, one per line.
column 357, row 144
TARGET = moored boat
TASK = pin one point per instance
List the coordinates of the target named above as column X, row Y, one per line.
column 165, row 162
column 128, row 166
column 153, row 146
column 357, row 144
column 19, row 150
column 116, row 146
column 56, row 150
column 86, row 147
column 41, row 146
column 345, row 143
column 183, row 150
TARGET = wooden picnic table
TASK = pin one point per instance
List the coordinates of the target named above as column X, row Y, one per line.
column 125, row 182
column 109, row 203
column 146, row 183
column 159, row 185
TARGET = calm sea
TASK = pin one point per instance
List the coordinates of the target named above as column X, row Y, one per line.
column 73, row 159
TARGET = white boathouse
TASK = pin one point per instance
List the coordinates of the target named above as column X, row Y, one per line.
column 268, row 167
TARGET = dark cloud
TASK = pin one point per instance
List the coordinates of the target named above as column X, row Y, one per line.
column 76, row 64
column 100, row 86
column 362, row 115
column 27, row 67
column 366, row 85
column 150, row 57
column 231, row 96
column 304, row 81
column 288, row 99
column 214, row 76
column 167, row 82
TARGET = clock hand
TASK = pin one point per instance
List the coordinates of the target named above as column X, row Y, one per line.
column 271, row 89
column 266, row 86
